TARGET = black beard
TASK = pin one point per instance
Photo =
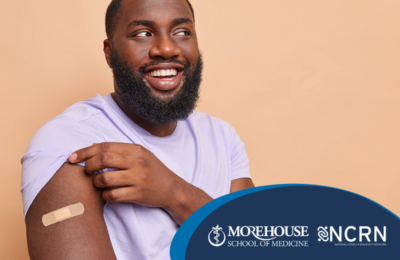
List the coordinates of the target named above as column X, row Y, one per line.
column 134, row 92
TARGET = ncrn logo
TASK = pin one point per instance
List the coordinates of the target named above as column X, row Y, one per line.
column 351, row 234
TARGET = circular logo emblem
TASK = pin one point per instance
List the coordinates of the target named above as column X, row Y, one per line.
column 216, row 235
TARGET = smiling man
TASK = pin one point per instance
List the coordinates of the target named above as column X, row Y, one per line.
column 140, row 160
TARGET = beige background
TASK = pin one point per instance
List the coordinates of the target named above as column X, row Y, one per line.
column 312, row 87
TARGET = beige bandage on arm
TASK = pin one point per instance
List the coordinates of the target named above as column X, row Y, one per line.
column 63, row 214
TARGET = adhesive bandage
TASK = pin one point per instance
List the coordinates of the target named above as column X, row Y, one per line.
column 63, row 214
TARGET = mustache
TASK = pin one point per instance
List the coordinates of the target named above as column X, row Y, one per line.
column 142, row 69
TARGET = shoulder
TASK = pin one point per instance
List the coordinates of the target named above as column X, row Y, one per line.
column 72, row 128
column 51, row 145
column 209, row 126
column 220, row 132
column 84, row 110
column 204, row 120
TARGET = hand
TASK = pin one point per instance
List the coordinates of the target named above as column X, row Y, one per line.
column 141, row 177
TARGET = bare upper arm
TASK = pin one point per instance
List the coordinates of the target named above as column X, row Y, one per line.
column 81, row 237
column 241, row 184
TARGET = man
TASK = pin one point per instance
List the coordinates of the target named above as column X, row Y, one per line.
column 139, row 159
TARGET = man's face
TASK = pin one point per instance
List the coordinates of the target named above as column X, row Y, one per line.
column 155, row 58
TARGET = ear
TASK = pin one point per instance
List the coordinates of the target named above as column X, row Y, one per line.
column 107, row 51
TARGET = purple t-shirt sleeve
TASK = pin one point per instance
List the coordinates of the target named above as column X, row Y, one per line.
column 49, row 149
column 239, row 160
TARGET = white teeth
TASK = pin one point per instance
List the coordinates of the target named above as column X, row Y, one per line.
column 163, row 73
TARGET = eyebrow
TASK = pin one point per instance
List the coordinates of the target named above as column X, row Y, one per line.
column 174, row 22
column 141, row 22
column 181, row 20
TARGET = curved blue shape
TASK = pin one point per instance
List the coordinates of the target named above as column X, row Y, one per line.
column 185, row 232
column 181, row 238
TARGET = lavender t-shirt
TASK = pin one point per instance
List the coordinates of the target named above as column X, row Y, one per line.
column 203, row 150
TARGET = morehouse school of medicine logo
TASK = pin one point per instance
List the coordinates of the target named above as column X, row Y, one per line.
column 216, row 234
column 259, row 236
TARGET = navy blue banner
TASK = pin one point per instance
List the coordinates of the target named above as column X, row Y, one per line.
column 289, row 222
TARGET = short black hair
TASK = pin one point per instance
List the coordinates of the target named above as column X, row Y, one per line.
column 113, row 13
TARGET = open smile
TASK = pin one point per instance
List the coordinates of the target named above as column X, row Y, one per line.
column 164, row 76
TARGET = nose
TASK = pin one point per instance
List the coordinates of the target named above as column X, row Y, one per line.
column 164, row 47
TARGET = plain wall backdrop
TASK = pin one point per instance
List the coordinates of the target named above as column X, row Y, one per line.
column 312, row 87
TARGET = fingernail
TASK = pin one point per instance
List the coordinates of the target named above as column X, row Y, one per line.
column 94, row 144
column 72, row 157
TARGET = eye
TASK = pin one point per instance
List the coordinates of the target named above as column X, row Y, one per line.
column 142, row 34
column 183, row 33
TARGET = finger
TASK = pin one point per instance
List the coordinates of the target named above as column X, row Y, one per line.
column 88, row 152
column 106, row 160
column 113, row 179
column 123, row 194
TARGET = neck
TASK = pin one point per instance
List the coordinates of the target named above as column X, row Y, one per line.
column 154, row 129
